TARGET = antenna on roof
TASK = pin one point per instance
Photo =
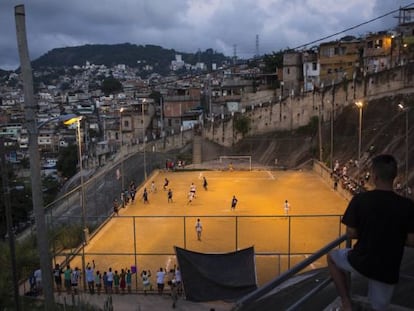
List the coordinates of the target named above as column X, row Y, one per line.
column 257, row 47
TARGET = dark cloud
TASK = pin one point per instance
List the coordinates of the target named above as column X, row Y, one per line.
column 186, row 25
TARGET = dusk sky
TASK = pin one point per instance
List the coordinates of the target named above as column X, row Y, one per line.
column 187, row 25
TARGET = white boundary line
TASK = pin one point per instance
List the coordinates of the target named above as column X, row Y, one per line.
column 271, row 175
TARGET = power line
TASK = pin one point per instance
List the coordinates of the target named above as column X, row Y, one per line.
column 353, row 27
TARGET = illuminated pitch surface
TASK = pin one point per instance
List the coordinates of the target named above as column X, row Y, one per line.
column 259, row 193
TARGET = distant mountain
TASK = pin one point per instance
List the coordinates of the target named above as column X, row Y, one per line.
column 129, row 54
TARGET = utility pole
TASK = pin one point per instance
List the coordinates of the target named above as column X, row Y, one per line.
column 332, row 124
column 37, row 197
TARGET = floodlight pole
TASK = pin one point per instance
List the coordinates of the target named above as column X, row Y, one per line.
column 143, row 140
column 34, row 156
column 360, row 106
column 121, row 142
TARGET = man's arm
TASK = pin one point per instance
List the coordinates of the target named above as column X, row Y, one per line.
column 352, row 232
column 410, row 240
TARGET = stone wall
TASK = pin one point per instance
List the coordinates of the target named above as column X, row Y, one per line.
column 290, row 113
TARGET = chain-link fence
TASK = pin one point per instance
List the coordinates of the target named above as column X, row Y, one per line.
column 147, row 242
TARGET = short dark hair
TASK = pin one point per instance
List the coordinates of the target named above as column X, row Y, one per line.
column 385, row 167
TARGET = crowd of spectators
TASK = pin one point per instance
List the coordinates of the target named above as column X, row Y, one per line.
column 341, row 177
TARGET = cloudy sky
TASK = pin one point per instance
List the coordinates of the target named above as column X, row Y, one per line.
column 187, row 25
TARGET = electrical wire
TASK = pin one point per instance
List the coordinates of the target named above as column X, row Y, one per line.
column 353, row 27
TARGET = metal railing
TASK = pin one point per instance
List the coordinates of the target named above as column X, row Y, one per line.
column 260, row 292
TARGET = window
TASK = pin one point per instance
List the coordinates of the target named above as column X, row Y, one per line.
column 327, row 52
column 340, row 50
column 378, row 43
column 169, row 122
column 370, row 44
column 314, row 66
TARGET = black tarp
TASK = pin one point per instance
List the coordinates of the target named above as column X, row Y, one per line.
column 209, row 277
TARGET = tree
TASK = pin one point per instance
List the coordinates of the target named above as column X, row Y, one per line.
column 111, row 85
column 67, row 161
column 242, row 124
column 273, row 61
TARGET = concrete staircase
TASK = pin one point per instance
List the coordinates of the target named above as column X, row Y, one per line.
column 197, row 149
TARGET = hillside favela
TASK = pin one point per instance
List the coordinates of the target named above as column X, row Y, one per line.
column 139, row 177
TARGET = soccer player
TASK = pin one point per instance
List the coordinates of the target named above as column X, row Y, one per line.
column 233, row 203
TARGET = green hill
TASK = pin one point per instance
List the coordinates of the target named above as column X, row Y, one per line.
column 129, row 54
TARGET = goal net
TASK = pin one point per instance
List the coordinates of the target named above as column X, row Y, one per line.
column 239, row 163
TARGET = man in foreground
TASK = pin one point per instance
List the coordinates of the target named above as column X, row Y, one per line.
column 383, row 223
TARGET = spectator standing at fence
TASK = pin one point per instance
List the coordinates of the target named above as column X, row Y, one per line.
column 90, row 279
column 233, row 203
column 122, row 282
column 286, row 207
column 115, row 205
column 174, row 292
column 38, row 278
column 132, row 190
column 66, row 276
column 160, row 281
column 146, row 282
column 178, row 280
column 125, row 198
column 116, row 282
column 383, row 224
column 74, row 280
column 199, row 229
column 170, row 196
column 128, row 280
column 98, row 282
column 109, row 280
column 57, row 274
column 32, row 283
column 105, row 282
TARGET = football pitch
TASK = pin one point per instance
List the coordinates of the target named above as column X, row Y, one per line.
column 144, row 235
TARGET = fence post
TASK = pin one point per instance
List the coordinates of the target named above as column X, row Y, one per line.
column 289, row 232
column 185, row 244
column 237, row 232
column 135, row 253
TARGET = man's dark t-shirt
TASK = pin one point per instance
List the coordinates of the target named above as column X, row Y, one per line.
column 382, row 220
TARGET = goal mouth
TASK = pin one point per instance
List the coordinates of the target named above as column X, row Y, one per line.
column 238, row 163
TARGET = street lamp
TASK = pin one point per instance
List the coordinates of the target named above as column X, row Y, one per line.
column 76, row 120
column 360, row 105
column 405, row 109
column 143, row 139
column 122, row 157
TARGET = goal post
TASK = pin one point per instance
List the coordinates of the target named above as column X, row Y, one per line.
column 240, row 163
